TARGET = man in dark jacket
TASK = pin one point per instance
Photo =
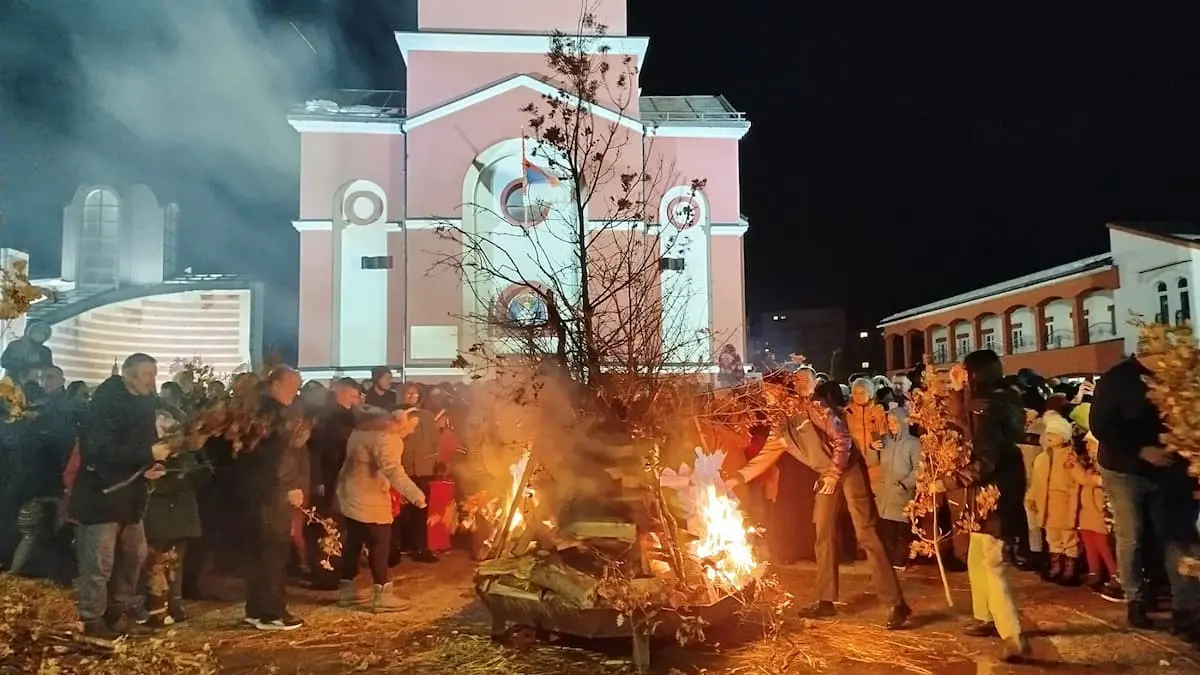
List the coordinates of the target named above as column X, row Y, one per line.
column 326, row 455
column 1143, row 482
column 379, row 393
column 119, row 443
column 420, row 462
column 272, row 478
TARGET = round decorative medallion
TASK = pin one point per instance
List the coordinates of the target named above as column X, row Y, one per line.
column 523, row 308
column 362, row 207
column 683, row 212
column 527, row 309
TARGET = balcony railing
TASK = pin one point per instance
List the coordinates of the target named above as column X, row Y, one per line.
column 1098, row 332
column 994, row 345
column 1022, row 345
column 940, row 355
column 1060, row 339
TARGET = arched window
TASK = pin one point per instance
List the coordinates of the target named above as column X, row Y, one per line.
column 1164, row 304
column 1185, row 301
column 99, row 243
column 170, row 238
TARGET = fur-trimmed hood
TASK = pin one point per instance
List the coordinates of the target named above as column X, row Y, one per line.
column 372, row 418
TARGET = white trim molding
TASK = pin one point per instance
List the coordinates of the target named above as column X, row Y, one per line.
column 431, row 223
column 516, row 82
column 317, row 373
column 495, row 43
column 729, row 229
column 327, row 225
column 310, row 125
column 729, row 133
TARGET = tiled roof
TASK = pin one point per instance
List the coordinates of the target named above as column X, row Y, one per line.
column 1085, row 265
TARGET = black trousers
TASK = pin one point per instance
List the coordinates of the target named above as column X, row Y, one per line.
column 897, row 537
column 265, row 571
column 410, row 530
column 377, row 538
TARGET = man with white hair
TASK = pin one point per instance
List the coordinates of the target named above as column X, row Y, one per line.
column 119, row 452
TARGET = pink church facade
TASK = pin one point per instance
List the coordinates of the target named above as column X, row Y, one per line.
column 377, row 180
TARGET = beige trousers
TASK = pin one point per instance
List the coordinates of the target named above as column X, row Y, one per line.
column 1062, row 542
column 991, row 596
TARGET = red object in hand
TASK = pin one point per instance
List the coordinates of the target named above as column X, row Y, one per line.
column 441, row 511
column 397, row 501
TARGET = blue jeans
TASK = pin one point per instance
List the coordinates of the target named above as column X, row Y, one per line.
column 110, row 560
column 1172, row 511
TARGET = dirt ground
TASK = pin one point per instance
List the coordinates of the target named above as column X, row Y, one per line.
column 446, row 632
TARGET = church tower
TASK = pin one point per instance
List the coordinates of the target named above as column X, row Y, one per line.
column 383, row 179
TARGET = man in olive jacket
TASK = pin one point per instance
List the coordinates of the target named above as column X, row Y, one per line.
column 118, row 453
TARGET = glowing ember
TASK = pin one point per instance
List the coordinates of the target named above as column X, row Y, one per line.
column 722, row 543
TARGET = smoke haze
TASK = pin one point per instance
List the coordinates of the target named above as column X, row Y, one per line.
column 187, row 96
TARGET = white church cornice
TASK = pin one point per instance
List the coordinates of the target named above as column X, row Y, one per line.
column 326, row 125
column 506, row 85
column 499, row 43
column 737, row 229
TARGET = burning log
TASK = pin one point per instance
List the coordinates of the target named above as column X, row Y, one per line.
column 626, row 532
column 574, row 586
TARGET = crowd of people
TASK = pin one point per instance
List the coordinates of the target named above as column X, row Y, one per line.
column 101, row 489
column 1078, row 466
column 97, row 487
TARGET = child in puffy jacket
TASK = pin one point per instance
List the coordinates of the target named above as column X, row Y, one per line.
column 899, row 461
column 1054, row 496
column 1093, row 524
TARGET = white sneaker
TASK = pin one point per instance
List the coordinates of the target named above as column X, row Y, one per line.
column 284, row 624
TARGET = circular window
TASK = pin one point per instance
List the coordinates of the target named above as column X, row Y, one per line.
column 683, row 212
column 521, row 208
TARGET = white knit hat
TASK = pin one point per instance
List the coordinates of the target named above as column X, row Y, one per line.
column 1057, row 425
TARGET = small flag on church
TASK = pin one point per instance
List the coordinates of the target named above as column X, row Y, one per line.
column 532, row 174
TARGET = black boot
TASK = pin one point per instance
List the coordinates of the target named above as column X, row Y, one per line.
column 1034, row 561
column 822, row 609
column 898, row 616
column 1070, row 572
column 1135, row 614
column 1054, row 569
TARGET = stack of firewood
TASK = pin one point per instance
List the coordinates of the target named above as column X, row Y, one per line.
column 569, row 563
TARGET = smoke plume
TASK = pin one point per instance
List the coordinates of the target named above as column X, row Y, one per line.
column 188, row 97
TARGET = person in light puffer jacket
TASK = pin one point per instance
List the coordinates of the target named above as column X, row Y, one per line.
column 374, row 456
column 898, row 463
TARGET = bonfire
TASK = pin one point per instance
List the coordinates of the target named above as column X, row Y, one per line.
column 633, row 564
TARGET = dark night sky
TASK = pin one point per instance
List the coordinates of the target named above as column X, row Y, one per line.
column 900, row 152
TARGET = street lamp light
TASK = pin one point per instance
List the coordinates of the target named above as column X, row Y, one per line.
column 866, row 364
column 863, row 335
